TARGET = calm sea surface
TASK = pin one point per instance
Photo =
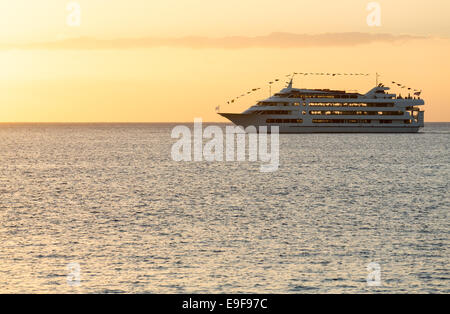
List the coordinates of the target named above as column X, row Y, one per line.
column 109, row 198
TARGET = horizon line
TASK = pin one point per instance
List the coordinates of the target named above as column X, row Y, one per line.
column 128, row 122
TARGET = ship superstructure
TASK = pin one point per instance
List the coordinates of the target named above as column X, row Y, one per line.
column 329, row 111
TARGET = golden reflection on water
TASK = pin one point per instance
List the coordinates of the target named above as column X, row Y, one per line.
column 109, row 198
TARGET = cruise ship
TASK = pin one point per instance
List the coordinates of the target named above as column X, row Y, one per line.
column 334, row 111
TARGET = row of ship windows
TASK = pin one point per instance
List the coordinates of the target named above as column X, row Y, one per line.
column 304, row 96
column 351, row 113
column 323, row 112
column 332, row 121
column 378, row 105
column 284, row 121
column 317, row 104
column 272, row 112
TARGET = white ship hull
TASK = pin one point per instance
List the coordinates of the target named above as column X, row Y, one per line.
column 246, row 120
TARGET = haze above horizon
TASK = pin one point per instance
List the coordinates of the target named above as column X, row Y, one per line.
column 141, row 61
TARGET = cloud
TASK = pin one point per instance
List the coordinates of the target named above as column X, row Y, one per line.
column 274, row 40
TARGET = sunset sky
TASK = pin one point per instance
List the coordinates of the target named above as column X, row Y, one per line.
column 173, row 60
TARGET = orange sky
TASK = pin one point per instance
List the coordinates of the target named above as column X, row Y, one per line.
column 140, row 61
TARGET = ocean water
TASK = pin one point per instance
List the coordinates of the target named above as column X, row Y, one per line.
column 102, row 208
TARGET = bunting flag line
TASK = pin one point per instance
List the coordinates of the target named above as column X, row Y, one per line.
column 329, row 74
column 416, row 91
column 310, row 73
